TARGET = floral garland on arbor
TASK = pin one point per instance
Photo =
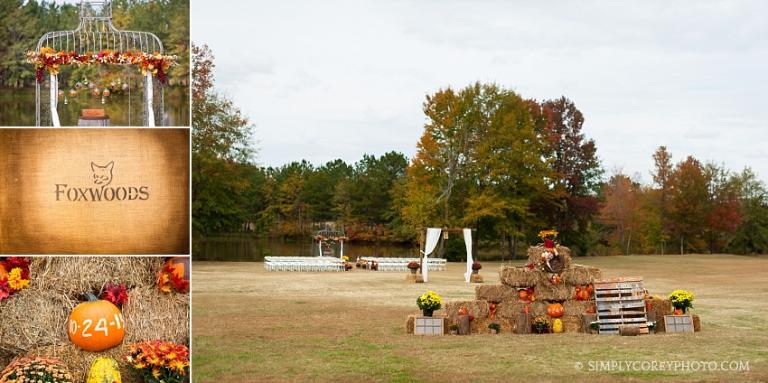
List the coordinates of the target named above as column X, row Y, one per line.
column 50, row 60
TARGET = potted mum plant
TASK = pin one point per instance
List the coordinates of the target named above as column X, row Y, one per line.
column 495, row 328
column 540, row 325
column 476, row 266
column 682, row 300
column 429, row 302
column 454, row 329
column 413, row 266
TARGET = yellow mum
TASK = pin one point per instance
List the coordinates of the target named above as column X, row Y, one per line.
column 15, row 281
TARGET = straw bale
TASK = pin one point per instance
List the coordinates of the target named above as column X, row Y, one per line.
column 495, row 293
column 572, row 323
column 476, row 278
column 510, row 309
column 414, row 278
column 574, row 307
column 537, row 308
column 659, row 306
column 75, row 275
column 152, row 314
column 33, row 318
column 549, row 292
column 518, row 276
column 79, row 362
column 479, row 309
column 580, row 275
column 696, row 323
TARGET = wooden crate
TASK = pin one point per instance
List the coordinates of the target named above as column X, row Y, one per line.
column 429, row 326
column 678, row 323
column 620, row 302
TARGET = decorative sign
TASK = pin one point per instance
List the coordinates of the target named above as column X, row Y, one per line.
column 429, row 326
column 94, row 191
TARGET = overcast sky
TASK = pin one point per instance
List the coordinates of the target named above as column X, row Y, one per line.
column 322, row 80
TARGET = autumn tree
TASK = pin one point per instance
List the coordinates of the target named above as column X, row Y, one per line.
column 621, row 207
column 221, row 154
column 574, row 173
column 661, row 175
column 688, row 204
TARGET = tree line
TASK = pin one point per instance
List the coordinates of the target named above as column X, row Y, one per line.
column 25, row 21
column 487, row 159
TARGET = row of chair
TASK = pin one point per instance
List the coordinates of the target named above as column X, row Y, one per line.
column 303, row 264
column 401, row 264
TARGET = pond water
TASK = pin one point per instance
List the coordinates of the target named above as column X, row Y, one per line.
column 17, row 107
column 254, row 249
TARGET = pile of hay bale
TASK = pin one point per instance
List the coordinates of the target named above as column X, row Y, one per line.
column 510, row 308
column 33, row 321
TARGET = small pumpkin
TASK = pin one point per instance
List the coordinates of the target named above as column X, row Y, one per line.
column 104, row 370
column 522, row 294
column 555, row 310
column 463, row 310
column 557, row 326
column 96, row 325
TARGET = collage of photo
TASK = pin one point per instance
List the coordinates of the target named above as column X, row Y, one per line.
column 198, row 191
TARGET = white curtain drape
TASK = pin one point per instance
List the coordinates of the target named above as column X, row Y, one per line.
column 342, row 249
column 149, row 92
column 468, row 244
column 433, row 236
column 55, row 100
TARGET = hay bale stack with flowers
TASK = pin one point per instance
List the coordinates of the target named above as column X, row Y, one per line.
column 44, row 311
column 548, row 286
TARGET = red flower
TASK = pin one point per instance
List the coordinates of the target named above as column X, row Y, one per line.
column 20, row 262
column 5, row 289
column 116, row 294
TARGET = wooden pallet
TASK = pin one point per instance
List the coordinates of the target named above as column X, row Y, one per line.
column 620, row 303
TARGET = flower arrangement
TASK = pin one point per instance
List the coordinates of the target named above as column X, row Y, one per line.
column 14, row 276
column 170, row 279
column 36, row 370
column 413, row 265
column 681, row 300
column 540, row 324
column 476, row 266
column 116, row 294
column 429, row 302
column 549, row 236
column 495, row 327
column 159, row 361
column 51, row 61
column 348, row 266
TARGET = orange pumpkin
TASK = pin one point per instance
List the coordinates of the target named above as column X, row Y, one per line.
column 463, row 310
column 522, row 294
column 96, row 325
column 555, row 310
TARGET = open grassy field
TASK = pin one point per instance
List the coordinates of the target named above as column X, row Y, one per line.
column 253, row 325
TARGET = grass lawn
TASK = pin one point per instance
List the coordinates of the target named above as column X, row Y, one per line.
column 253, row 325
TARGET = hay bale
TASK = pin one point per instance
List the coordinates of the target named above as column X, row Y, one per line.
column 696, row 323
column 152, row 314
column 660, row 306
column 572, row 323
column 549, row 292
column 537, row 308
column 79, row 362
column 475, row 278
column 510, row 309
column 518, row 276
column 414, row 278
column 580, row 275
column 534, row 255
column 494, row 293
column 410, row 324
column 33, row 319
column 574, row 307
column 479, row 309
column 75, row 275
